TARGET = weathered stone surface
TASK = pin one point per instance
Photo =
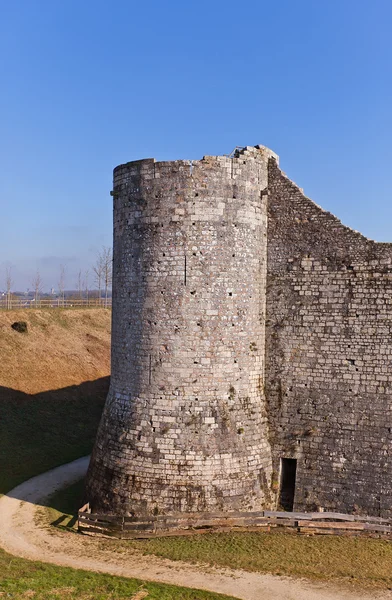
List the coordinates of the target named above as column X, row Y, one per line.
column 185, row 426
column 329, row 355
column 207, row 396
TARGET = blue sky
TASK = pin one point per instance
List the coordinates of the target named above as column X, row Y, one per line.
column 89, row 85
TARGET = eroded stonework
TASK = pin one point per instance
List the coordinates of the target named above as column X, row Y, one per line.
column 185, row 427
column 237, row 345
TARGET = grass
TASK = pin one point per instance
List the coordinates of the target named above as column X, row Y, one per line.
column 22, row 579
column 45, row 430
column 360, row 561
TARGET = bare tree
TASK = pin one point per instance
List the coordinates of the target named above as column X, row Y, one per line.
column 80, row 284
column 8, row 283
column 37, row 284
column 61, row 283
column 98, row 274
column 86, row 278
column 107, row 261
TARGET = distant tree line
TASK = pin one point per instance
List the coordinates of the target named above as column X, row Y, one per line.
column 101, row 271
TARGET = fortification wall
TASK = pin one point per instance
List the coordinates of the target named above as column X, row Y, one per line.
column 329, row 355
column 184, row 427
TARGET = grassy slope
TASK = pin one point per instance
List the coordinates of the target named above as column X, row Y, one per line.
column 61, row 348
column 53, row 383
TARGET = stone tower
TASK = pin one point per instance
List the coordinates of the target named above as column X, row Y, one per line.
column 184, row 429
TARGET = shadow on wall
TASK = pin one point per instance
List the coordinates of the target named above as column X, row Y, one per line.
column 41, row 431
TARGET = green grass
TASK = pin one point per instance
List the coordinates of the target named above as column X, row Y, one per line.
column 360, row 561
column 39, row 432
column 21, row 579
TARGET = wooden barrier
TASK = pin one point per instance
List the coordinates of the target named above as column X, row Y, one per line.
column 191, row 523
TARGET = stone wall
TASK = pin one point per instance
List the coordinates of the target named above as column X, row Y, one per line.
column 185, row 426
column 328, row 355
column 225, row 362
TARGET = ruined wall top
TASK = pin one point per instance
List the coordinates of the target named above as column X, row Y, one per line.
column 259, row 151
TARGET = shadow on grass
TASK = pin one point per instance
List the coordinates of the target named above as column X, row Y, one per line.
column 42, row 431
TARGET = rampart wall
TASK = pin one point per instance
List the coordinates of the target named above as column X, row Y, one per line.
column 252, row 332
column 329, row 355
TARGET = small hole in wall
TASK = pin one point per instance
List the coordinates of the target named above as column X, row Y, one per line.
column 235, row 361
column 233, row 255
column 194, row 253
column 193, row 293
column 357, row 369
column 193, row 223
column 197, row 193
column 230, row 293
column 162, row 292
column 163, row 254
column 199, row 324
column 233, row 325
column 357, row 315
column 389, row 429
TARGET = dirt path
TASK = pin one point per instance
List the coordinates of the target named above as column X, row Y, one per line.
column 21, row 535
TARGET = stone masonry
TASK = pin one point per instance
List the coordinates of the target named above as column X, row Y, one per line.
column 236, row 346
column 185, row 426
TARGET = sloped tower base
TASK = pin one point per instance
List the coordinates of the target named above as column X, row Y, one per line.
column 184, row 429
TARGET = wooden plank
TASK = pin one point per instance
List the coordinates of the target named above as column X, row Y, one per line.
column 99, row 531
column 331, row 515
column 368, row 519
column 332, row 525
column 102, row 524
column 286, row 515
column 102, row 517
column 377, row 527
column 283, row 522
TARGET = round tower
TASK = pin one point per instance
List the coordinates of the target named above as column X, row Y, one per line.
column 184, row 428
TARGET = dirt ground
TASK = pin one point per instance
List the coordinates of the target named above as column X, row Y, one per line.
column 62, row 347
column 24, row 535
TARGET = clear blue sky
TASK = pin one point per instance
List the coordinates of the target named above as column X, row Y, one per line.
column 89, row 85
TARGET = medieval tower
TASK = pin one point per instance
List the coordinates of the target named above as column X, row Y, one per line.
column 184, row 428
column 252, row 349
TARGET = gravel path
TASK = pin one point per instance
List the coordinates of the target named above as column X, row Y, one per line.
column 22, row 535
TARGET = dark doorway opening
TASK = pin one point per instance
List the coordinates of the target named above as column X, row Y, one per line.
column 287, row 483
